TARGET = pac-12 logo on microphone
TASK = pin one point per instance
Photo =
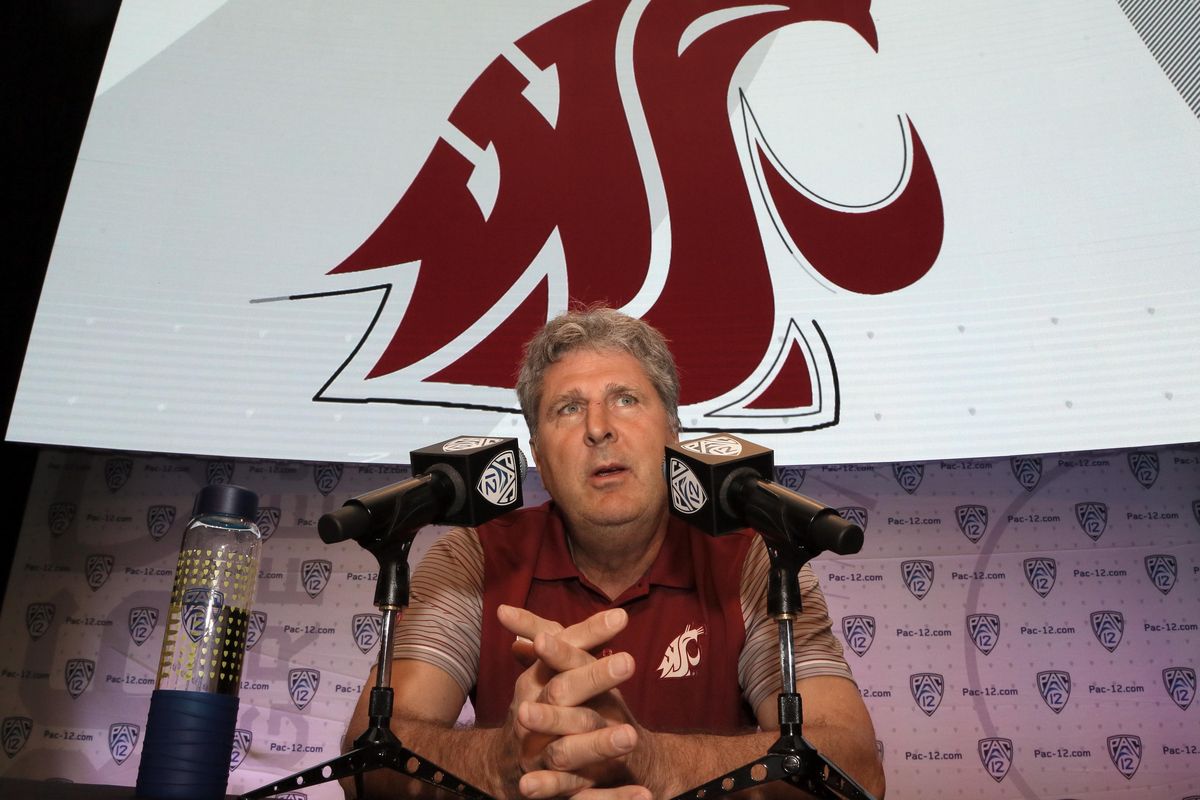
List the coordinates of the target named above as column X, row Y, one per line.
column 1054, row 685
column 1041, row 573
column 927, row 689
column 714, row 446
column 1180, row 683
column 367, row 628
column 468, row 443
column 687, row 495
column 14, row 733
column 122, row 738
column 996, row 756
column 1126, row 754
column 859, row 632
column 918, row 576
column 142, row 622
column 500, row 480
column 984, row 630
column 1162, row 570
column 314, row 575
column 1108, row 627
column 78, row 674
column 201, row 610
column 302, row 686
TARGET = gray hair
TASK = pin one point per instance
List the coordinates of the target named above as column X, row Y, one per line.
column 596, row 328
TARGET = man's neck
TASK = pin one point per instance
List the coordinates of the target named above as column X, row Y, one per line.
column 614, row 558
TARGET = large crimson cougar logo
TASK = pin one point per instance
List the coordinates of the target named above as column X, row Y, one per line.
column 616, row 157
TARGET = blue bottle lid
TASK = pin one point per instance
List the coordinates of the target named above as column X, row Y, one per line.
column 226, row 499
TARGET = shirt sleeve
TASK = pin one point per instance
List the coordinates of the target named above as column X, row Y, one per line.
column 816, row 650
column 442, row 623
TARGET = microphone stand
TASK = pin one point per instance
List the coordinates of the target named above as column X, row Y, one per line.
column 378, row 747
column 791, row 758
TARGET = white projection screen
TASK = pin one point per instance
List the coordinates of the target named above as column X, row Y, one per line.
column 903, row 230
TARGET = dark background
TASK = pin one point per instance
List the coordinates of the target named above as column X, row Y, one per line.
column 53, row 50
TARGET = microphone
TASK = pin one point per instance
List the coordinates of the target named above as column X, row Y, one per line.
column 721, row 483
column 465, row 481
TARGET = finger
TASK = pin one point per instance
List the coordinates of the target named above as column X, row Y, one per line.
column 545, row 783
column 522, row 650
column 579, row 750
column 614, row 793
column 596, row 629
column 558, row 720
column 576, row 686
column 525, row 623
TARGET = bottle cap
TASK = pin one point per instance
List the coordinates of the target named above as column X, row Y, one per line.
column 226, row 499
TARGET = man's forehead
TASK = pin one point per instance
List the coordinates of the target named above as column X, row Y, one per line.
column 618, row 369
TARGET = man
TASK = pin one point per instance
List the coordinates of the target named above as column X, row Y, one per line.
column 594, row 632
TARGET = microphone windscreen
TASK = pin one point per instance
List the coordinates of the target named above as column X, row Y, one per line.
column 486, row 471
column 697, row 476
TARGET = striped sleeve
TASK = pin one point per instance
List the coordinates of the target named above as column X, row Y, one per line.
column 442, row 624
column 816, row 650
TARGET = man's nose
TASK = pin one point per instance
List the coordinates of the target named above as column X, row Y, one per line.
column 599, row 424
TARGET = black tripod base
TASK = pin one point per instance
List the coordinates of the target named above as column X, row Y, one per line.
column 801, row 766
column 385, row 755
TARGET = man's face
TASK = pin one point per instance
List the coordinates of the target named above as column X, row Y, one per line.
column 602, row 429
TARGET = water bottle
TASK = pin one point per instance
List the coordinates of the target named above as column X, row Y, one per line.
column 193, row 710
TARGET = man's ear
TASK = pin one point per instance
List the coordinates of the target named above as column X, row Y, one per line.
column 533, row 451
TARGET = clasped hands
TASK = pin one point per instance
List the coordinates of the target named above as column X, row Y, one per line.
column 572, row 734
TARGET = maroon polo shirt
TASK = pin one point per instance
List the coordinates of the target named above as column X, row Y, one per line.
column 685, row 629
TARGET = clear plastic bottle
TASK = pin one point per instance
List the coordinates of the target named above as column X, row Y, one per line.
column 193, row 711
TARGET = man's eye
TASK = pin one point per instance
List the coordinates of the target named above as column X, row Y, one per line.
column 626, row 400
column 569, row 408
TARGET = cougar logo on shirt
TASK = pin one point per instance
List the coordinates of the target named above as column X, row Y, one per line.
column 682, row 654
column 612, row 143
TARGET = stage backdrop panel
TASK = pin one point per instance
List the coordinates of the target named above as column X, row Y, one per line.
column 910, row 229
column 1019, row 628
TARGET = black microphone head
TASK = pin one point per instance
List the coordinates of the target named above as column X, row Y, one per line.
column 485, row 471
column 697, row 475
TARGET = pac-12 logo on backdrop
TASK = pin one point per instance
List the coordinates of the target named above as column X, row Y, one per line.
column 14, row 733
column 984, row 630
column 314, row 576
column 1041, row 572
column 220, row 472
column 255, row 625
column 327, row 477
column 267, row 520
column 908, row 476
column 77, row 673
column 122, row 739
column 117, row 472
column 918, row 576
column 1092, row 518
column 1108, row 627
column 38, row 618
column 624, row 185
column 1126, row 754
column 302, row 686
column 972, row 521
column 159, row 520
column 927, row 689
column 1027, row 471
column 96, row 569
column 242, row 739
column 996, row 756
column 366, row 629
column 1180, row 683
column 1162, row 570
column 59, row 517
column 1054, row 686
column 859, row 632
column 142, row 622
column 1144, row 467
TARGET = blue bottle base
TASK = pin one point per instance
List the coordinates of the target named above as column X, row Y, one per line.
column 189, row 739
